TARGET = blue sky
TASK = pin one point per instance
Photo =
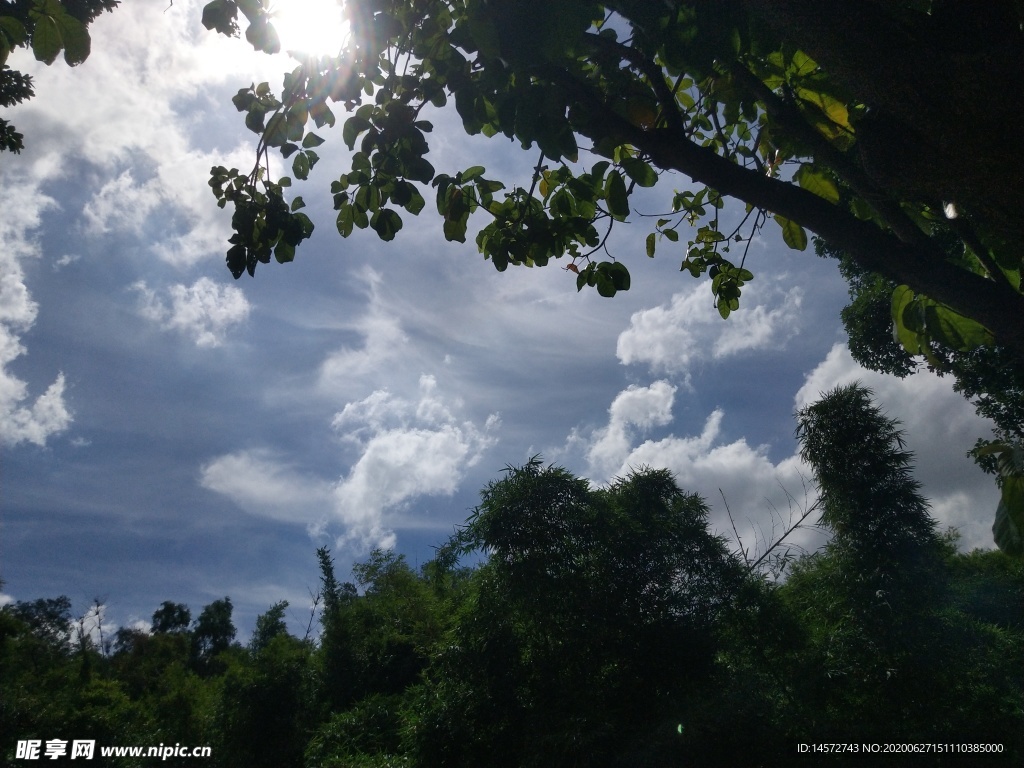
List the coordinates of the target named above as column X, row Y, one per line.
column 169, row 433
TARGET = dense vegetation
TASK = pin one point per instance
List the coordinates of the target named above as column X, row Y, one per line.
column 597, row 627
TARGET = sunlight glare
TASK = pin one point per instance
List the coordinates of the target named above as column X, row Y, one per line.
column 313, row 27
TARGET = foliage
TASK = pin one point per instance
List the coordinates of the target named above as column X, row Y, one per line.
column 265, row 705
column 885, row 640
column 589, row 630
column 48, row 27
column 989, row 375
column 269, row 625
column 171, row 617
column 212, row 634
column 597, row 626
column 838, row 121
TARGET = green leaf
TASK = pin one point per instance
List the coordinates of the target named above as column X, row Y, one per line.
column 901, row 299
column 817, row 183
column 345, row 221
column 639, row 171
column 263, row 37
column 297, row 203
column 12, row 34
column 13, row 30
column 1008, row 528
column 386, row 223
column 831, row 107
column 615, row 194
column 75, row 36
column 300, row 166
column 792, row 234
column 284, row 252
column 605, row 285
column 650, row 245
column 46, row 40
column 619, row 275
column 419, row 169
column 276, row 133
column 353, row 127
column 311, row 140
column 220, row 15
column 455, row 231
column 956, row 331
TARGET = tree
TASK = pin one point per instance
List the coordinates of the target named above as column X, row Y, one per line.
column 171, row 618
column 265, row 710
column 48, row 27
column 589, row 634
column 212, row 634
column 988, row 376
column 852, row 121
column 268, row 626
column 888, row 645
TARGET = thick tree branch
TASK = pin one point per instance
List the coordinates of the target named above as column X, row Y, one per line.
column 790, row 119
column 922, row 267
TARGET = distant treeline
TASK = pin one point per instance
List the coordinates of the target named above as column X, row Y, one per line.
column 602, row 627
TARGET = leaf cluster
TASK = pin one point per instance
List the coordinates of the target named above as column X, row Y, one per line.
column 48, row 28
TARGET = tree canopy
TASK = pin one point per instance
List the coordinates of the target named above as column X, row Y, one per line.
column 595, row 626
column 885, row 128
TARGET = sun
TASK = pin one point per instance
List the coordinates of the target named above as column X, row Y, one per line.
column 312, row 27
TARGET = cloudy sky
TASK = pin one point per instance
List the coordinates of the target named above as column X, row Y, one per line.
column 169, row 433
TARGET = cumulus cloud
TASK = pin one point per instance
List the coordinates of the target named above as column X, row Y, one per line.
column 107, row 210
column 673, row 337
column 634, row 409
column 131, row 112
column 204, row 310
column 763, row 496
column 48, row 414
column 407, row 450
column 762, row 493
column 264, row 484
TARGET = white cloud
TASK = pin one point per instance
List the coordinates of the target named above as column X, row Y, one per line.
column 407, row 450
column 130, row 111
column 673, row 337
column 66, row 260
column 939, row 425
column 757, row 490
column 24, row 208
column 265, row 485
column 47, row 416
column 640, row 407
column 383, row 341
column 108, row 209
column 204, row 310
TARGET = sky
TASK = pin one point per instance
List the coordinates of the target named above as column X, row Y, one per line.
column 169, row 433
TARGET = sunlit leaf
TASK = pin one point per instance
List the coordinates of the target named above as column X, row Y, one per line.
column 792, row 234
column 817, row 183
